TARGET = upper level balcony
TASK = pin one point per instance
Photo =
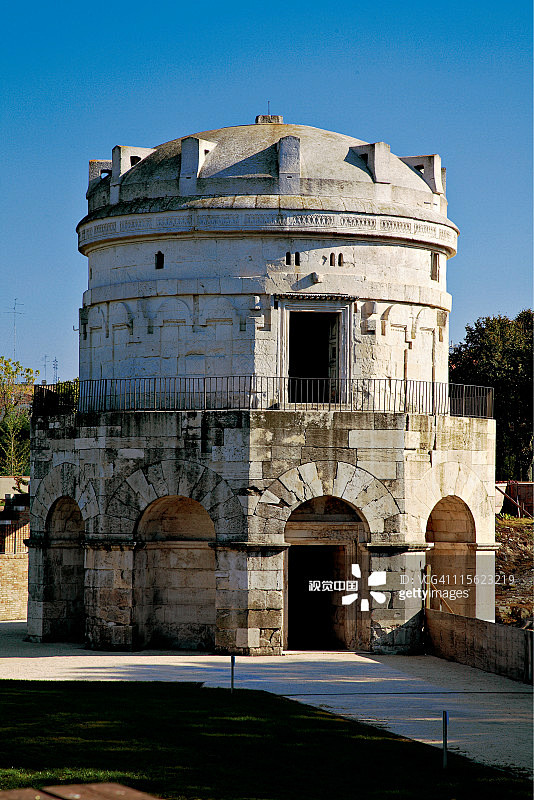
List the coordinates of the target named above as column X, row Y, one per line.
column 253, row 392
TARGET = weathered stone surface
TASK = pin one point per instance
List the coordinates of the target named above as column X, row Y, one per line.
column 176, row 527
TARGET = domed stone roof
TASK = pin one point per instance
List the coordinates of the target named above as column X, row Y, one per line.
column 249, row 152
column 269, row 165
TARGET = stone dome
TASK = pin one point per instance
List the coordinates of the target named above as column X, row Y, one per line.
column 268, row 165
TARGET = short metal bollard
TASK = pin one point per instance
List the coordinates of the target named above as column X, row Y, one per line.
column 445, row 723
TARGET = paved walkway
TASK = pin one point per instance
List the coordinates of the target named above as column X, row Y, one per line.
column 490, row 716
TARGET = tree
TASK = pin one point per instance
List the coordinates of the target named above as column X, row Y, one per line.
column 16, row 384
column 15, row 443
column 16, row 390
column 497, row 351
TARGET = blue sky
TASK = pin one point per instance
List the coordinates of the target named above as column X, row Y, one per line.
column 446, row 77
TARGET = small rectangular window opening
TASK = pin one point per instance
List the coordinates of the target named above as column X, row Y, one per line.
column 297, row 259
column 134, row 160
column 332, row 259
column 104, row 173
column 159, row 259
column 434, row 266
column 288, row 259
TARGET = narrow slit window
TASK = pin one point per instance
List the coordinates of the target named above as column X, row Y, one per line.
column 160, row 260
column 434, row 266
column 332, row 259
column 340, row 260
column 297, row 259
column 288, row 259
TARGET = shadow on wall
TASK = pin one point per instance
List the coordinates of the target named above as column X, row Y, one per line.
column 174, row 576
column 404, row 639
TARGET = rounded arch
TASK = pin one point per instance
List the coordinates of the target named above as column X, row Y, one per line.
column 326, row 505
column 171, row 478
column 174, row 579
column 64, row 520
column 453, row 479
column 425, row 318
column 450, row 521
column 63, row 480
column 357, row 487
column 326, row 537
column 451, row 561
column 63, row 578
column 174, row 518
column 325, row 519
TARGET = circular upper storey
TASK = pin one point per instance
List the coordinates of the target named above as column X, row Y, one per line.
column 268, row 176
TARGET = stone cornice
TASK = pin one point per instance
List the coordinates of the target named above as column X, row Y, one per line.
column 364, row 290
column 374, row 226
column 315, row 296
column 250, row 546
column 404, row 547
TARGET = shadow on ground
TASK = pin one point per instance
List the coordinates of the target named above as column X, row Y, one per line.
column 180, row 740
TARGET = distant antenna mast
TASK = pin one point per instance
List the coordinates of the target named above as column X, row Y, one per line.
column 15, row 314
column 54, row 364
column 45, row 359
column 268, row 108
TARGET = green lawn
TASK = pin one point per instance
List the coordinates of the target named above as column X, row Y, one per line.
column 179, row 740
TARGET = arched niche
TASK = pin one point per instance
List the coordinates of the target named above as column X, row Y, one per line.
column 63, row 579
column 451, row 561
column 64, row 520
column 174, row 576
column 175, row 518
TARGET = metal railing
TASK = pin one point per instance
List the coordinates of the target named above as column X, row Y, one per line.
column 12, row 536
column 264, row 393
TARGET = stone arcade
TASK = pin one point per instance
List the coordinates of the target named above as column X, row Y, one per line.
column 263, row 405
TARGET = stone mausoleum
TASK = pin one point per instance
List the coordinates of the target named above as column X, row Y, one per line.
column 263, row 451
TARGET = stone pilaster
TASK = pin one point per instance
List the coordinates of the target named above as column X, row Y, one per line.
column 55, row 583
column 249, row 598
column 35, row 588
column 109, row 594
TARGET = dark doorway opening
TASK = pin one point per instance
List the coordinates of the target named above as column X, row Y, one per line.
column 314, row 616
column 313, row 356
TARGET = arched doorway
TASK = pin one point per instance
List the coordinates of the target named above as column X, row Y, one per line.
column 174, row 576
column 325, row 535
column 452, row 560
column 63, row 577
